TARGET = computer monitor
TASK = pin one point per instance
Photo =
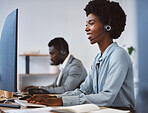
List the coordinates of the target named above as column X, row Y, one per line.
column 8, row 53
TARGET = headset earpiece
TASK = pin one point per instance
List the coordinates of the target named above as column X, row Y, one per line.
column 107, row 28
column 62, row 49
column 63, row 52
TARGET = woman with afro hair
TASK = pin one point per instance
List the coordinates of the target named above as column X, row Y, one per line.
column 110, row 80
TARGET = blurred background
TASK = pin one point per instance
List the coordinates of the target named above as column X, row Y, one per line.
column 42, row 20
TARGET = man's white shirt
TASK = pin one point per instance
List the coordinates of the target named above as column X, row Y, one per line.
column 61, row 67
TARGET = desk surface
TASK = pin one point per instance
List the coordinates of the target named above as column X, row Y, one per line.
column 7, row 108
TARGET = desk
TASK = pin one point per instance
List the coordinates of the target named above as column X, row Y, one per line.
column 6, row 108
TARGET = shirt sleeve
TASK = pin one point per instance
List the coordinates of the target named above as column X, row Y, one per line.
column 78, row 96
column 87, row 86
column 117, row 71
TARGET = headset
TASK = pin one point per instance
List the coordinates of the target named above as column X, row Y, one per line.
column 63, row 52
column 107, row 28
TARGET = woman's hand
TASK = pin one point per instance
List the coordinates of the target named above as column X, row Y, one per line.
column 46, row 100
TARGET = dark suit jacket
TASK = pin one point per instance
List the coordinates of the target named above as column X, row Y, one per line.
column 73, row 75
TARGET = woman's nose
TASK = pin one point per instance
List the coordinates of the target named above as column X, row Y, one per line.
column 87, row 28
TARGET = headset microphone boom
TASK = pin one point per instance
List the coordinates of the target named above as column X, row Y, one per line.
column 107, row 28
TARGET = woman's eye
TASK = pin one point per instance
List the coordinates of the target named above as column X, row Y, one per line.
column 91, row 23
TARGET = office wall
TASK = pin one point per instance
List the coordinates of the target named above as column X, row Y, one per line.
column 42, row 20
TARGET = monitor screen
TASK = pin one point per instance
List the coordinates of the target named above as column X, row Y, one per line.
column 8, row 53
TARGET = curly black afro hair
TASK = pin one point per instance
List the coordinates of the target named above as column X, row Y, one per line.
column 108, row 13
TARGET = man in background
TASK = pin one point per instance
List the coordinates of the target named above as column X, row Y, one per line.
column 72, row 72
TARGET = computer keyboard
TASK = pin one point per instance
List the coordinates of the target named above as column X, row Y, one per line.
column 10, row 105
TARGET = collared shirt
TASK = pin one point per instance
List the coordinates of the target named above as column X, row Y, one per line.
column 115, row 81
column 61, row 67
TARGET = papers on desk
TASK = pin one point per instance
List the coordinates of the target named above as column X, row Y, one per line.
column 25, row 104
column 108, row 110
column 36, row 110
column 84, row 108
column 68, row 109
